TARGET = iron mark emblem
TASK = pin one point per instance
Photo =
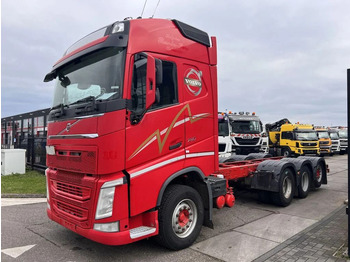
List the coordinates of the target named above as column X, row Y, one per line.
column 193, row 81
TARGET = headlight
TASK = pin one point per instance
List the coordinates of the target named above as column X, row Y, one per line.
column 105, row 203
column 105, row 200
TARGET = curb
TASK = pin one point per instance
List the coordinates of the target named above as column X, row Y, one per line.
column 23, row 196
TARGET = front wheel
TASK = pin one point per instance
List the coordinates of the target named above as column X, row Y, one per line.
column 180, row 217
column 304, row 185
column 286, row 152
column 286, row 189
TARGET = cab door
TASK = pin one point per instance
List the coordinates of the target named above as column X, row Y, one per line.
column 154, row 135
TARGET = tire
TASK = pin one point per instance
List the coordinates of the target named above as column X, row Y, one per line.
column 320, row 172
column 286, row 152
column 180, row 216
column 264, row 196
column 286, row 187
column 305, row 182
column 341, row 152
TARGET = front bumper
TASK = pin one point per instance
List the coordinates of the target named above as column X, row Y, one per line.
column 106, row 238
column 307, row 151
column 325, row 149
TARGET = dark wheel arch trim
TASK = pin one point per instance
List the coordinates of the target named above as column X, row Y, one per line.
column 207, row 200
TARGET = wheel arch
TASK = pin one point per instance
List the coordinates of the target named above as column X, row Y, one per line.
column 195, row 178
column 267, row 175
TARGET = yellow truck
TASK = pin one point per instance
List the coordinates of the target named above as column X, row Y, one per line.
column 286, row 139
column 324, row 141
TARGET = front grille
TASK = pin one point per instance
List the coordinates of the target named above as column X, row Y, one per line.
column 72, row 211
column 74, row 191
column 324, row 142
column 72, row 196
column 309, row 144
column 242, row 141
column 310, row 151
column 335, row 142
column 222, row 147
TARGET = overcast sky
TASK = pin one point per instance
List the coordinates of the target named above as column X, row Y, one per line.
column 280, row 59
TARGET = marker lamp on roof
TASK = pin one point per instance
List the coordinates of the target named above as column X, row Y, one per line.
column 118, row 27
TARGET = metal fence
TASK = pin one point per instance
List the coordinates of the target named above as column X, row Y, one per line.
column 27, row 131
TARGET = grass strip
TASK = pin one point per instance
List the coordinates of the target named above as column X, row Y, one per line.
column 32, row 182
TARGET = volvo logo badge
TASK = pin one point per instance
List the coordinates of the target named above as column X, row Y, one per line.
column 193, row 81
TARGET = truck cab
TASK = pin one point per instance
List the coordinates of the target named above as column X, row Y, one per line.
column 225, row 129
column 292, row 139
column 132, row 133
column 324, row 141
column 245, row 133
column 334, row 136
column 343, row 137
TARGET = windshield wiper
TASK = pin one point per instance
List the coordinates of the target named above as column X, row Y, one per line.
column 60, row 112
column 84, row 108
column 85, row 99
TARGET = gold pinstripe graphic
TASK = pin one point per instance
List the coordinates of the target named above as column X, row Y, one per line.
column 157, row 132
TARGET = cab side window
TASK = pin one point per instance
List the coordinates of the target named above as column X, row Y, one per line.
column 287, row 135
column 167, row 91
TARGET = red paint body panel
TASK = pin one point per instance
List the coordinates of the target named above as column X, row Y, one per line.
column 162, row 37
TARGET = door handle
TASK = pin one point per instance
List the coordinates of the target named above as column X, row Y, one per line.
column 177, row 145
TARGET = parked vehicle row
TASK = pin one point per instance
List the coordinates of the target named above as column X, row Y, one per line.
column 281, row 138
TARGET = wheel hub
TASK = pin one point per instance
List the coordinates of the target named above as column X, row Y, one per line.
column 287, row 187
column 184, row 218
column 318, row 174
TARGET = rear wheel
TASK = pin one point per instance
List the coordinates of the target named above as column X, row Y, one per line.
column 180, row 217
column 304, row 186
column 286, row 189
column 320, row 172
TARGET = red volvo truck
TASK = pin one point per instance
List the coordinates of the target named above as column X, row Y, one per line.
column 132, row 149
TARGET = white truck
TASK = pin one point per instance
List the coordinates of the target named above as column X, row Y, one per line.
column 333, row 134
column 343, row 137
column 239, row 133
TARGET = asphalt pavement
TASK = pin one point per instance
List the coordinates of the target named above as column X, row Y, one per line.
column 311, row 229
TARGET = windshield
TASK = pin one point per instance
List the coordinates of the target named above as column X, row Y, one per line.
column 246, row 127
column 306, row 136
column 97, row 76
column 223, row 128
column 334, row 136
column 323, row 134
column 343, row 133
